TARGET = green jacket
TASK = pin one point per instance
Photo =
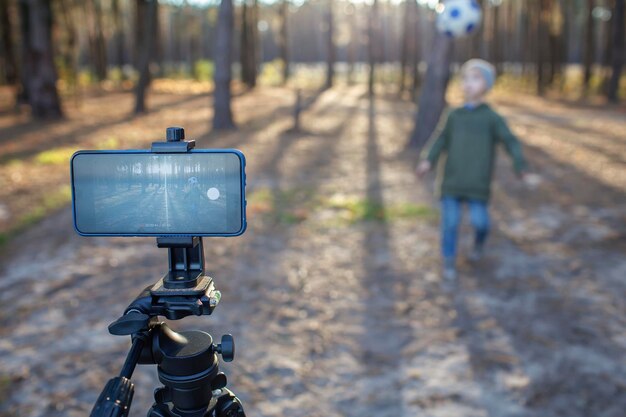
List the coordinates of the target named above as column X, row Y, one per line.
column 469, row 139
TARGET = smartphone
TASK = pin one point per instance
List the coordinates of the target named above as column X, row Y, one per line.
column 141, row 193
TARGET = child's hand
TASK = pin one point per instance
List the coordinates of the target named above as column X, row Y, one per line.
column 422, row 168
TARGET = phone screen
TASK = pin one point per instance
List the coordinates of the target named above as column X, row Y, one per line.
column 139, row 193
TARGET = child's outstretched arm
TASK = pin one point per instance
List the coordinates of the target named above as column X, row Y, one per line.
column 512, row 146
column 433, row 154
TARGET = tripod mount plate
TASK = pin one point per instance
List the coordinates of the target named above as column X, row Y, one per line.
column 176, row 303
column 205, row 285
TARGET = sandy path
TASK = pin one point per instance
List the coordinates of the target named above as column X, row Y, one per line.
column 351, row 319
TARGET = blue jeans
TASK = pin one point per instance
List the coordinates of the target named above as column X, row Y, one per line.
column 451, row 219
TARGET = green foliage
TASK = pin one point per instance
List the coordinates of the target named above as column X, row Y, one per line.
column 56, row 199
column 569, row 85
column 65, row 72
column 109, row 143
column 177, row 71
column 15, row 163
column 297, row 205
column 260, row 196
column 50, row 202
column 353, row 209
column 5, row 380
column 37, row 212
column 61, row 155
column 507, row 82
column 116, row 74
column 203, row 70
column 271, row 73
column 283, row 206
column 55, row 156
column 86, row 77
column 356, row 209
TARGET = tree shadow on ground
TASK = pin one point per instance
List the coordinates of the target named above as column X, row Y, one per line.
column 564, row 122
column 386, row 334
column 256, row 124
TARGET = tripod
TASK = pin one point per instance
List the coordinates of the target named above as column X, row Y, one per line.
column 187, row 361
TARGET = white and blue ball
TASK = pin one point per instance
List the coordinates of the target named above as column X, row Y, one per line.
column 458, row 18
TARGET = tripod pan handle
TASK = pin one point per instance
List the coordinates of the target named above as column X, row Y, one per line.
column 226, row 348
column 115, row 398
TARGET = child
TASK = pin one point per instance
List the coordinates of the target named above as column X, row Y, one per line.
column 469, row 139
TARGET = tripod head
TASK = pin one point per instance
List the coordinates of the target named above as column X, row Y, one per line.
column 183, row 291
column 187, row 361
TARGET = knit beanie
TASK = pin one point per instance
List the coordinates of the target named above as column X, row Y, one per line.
column 486, row 69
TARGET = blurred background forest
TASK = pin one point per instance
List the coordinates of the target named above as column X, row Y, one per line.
column 57, row 55
column 569, row 47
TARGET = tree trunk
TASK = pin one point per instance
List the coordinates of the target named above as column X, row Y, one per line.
column 330, row 45
column 24, row 73
column 588, row 47
column 248, row 48
column 485, row 32
column 244, row 49
column 69, row 50
column 156, row 54
column 8, row 60
column 40, row 75
column 416, row 51
column 222, row 115
column 372, row 44
column 509, row 52
column 283, row 39
column 404, row 51
column 175, row 36
column 557, row 46
column 432, row 99
column 97, row 42
column 618, row 50
column 477, row 39
column 255, row 46
column 542, row 38
column 496, row 50
column 193, row 33
column 146, row 21
column 353, row 46
column 568, row 27
column 525, row 34
column 118, row 36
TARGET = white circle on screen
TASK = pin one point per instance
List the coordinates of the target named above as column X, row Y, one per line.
column 213, row 193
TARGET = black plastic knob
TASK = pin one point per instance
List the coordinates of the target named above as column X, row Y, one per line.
column 174, row 134
column 227, row 348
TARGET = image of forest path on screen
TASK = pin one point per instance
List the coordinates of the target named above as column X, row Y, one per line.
column 146, row 193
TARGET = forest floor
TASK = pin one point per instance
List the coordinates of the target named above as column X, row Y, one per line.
column 333, row 294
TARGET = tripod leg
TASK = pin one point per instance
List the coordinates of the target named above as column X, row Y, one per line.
column 115, row 398
column 117, row 395
column 228, row 405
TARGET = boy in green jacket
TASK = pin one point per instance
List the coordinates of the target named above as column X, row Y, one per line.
column 469, row 139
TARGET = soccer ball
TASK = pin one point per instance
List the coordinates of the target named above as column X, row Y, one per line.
column 192, row 181
column 458, row 18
